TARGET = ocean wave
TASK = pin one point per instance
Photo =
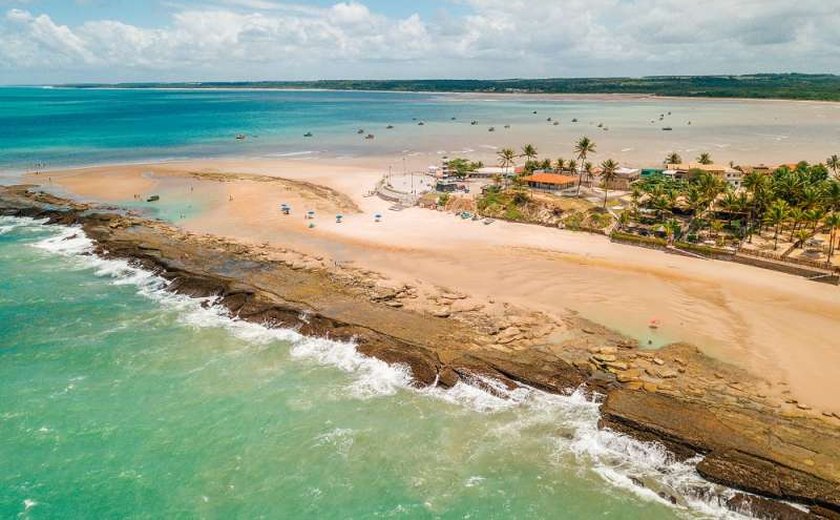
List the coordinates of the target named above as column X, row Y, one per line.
column 9, row 224
column 617, row 459
column 292, row 154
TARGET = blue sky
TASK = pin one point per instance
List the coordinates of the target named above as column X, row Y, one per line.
column 54, row 41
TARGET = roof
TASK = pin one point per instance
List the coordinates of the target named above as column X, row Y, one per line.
column 698, row 166
column 627, row 172
column 551, row 178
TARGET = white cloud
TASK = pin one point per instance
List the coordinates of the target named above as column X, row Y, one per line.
column 271, row 39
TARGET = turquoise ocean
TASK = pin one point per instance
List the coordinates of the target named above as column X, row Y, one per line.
column 120, row 400
column 57, row 127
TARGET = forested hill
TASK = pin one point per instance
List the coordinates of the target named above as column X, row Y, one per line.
column 824, row 87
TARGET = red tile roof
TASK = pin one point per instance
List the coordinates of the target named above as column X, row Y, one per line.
column 551, row 178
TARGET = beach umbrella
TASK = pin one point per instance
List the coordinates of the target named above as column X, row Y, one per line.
column 338, row 218
column 310, row 214
column 377, row 217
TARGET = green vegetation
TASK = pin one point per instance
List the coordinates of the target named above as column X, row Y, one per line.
column 463, row 167
column 791, row 205
column 825, row 87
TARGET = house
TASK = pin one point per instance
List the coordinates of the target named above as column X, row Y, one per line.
column 651, row 172
column 624, row 177
column 550, row 181
column 725, row 172
column 488, row 172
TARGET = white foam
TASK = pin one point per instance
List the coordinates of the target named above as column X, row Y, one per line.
column 9, row 224
column 618, row 459
column 292, row 154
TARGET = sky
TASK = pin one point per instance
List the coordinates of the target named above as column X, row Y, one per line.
column 63, row 41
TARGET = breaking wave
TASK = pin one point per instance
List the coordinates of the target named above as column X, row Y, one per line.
column 642, row 468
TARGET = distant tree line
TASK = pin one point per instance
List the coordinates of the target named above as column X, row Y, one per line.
column 825, row 87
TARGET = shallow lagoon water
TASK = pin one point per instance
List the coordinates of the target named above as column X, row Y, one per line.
column 69, row 127
column 118, row 399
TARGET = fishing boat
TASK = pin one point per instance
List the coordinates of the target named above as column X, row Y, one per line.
column 654, row 323
column 390, row 127
column 307, row 134
column 370, row 136
column 667, row 129
column 240, row 137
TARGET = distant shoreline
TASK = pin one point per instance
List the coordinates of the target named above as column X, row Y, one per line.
column 806, row 87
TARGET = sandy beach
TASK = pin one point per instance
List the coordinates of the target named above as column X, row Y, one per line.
column 778, row 326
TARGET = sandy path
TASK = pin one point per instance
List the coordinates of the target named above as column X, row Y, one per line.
column 780, row 326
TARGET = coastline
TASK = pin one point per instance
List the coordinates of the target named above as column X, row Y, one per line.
column 447, row 336
column 776, row 325
column 606, row 96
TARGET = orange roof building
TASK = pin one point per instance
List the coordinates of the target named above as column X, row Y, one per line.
column 550, row 181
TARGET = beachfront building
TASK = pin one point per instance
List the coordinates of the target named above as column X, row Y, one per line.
column 725, row 172
column 624, row 177
column 488, row 172
column 550, row 181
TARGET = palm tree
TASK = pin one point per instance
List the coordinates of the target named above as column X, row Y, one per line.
column 673, row 158
column 506, row 157
column 833, row 164
column 833, row 222
column 529, row 152
column 796, row 215
column 588, row 173
column 572, row 165
column 776, row 215
column 583, row 148
column 704, row 158
column 561, row 163
column 672, row 228
column 608, row 175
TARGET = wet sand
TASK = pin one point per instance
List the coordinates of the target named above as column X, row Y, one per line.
column 778, row 326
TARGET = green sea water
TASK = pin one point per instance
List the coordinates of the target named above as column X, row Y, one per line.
column 118, row 400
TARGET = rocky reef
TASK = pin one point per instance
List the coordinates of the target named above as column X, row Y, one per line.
column 776, row 451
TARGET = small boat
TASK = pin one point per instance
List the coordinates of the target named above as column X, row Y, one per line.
column 557, row 123
column 667, row 129
column 390, row 127
column 370, row 136
column 654, row 323
column 535, row 111
column 240, row 137
column 473, row 122
column 574, row 120
column 453, row 118
column 360, row 131
column 153, row 198
column 507, row 127
column 307, row 134
column 549, row 119
column 600, row 125
column 491, row 129
column 421, row 123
